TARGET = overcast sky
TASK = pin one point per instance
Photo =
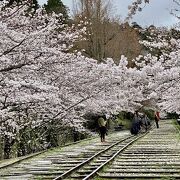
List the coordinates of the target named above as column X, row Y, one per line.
column 157, row 12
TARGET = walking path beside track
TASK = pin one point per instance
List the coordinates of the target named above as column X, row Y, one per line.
column 154, row 155
column 59, row 160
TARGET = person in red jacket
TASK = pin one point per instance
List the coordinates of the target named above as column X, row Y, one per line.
column 157, row 118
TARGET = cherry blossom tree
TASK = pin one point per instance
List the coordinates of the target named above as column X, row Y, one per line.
column 42, row 83
column 33, row 57
column 136, row 6
column 162, row 68
column 163, row 71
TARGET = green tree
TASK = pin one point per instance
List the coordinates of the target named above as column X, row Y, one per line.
column 56, row 6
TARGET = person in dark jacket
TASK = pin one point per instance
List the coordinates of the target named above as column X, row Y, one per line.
column 136, row 123
column 145, row 122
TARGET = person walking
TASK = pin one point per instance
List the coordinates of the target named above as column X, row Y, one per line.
column 157, row 118
column 136, row 124
column 102, row 127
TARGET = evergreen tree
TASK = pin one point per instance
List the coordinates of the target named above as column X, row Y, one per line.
column 34, row 3
column 56, row 6
column 10, row 2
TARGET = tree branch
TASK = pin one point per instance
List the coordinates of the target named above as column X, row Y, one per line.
column 8, row 51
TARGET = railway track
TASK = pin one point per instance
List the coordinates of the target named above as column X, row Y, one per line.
column 52, row 164
column 89, row 168
column 153, row 155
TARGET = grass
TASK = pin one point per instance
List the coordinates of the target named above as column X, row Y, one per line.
column 175, row 123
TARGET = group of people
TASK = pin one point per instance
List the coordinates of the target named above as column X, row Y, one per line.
column 138, row 123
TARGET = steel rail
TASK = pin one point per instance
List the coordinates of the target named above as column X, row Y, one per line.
column 23, row 158
column 74, row 169
column 112, row 158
